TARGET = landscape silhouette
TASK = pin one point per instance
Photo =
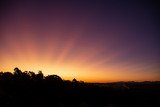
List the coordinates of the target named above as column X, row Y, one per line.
column 102, row 53
column 19, row 89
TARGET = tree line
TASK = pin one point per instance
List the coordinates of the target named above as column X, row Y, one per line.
column 28, row 89
column 20, row 76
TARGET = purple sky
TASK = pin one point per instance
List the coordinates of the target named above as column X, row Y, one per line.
column 92, row 40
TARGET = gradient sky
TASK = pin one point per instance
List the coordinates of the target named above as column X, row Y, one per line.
column 93, row 41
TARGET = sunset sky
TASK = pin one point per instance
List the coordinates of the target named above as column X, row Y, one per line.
column 90, row 40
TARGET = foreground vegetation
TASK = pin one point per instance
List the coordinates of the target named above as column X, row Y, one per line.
column 19, row 89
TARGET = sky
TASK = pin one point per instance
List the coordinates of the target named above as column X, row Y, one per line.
column 90, row 40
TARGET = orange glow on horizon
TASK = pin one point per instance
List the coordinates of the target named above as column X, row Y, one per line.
column 84, row 73
column 89, row 45
column 83, row 65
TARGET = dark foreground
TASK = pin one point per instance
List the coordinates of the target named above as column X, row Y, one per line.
column 23, row 89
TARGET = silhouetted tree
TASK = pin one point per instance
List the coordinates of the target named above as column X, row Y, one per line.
column 17, row 71
column 39, row 76
column 26, row 75
column 32, row 75
column 74, row 81
column 18, row 74
column 53, row 78
column 6, row 76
